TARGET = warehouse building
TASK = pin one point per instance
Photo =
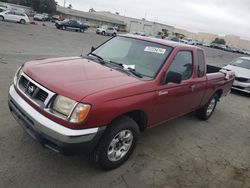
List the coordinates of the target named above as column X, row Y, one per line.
column 131, row 25
column 134, row 25
column 93, row 19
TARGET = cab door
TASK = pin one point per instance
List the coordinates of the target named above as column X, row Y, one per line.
column 175, row 99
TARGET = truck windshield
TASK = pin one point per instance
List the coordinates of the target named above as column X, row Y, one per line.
column 144, row 57
column 243, row 63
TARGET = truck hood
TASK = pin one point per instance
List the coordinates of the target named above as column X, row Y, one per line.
column 239, row 71
column 75, row 77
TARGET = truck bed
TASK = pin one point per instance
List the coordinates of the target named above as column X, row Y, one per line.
column 212, row 69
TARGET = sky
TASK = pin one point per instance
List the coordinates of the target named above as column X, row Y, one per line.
column 212, row 16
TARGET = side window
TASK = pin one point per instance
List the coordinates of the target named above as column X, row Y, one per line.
column 201, row 64
column 183, row 64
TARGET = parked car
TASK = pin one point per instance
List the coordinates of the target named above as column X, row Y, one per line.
column 101, row 102
column 55, row 18
column 173, row 38
column 141, row 33
column 241, row 67
column 11, row 15
column 207, row 44
column 184, row 41
column 71, row 25
column 191, row 42
column 2, row 9
column 106, row 30
column 39, row 17
column 46, row 16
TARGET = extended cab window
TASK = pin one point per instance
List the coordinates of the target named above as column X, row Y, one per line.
column 183, row 64
column 201, row 64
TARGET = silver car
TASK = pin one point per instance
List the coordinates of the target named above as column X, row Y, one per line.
column 241, row 67
column 106, row 30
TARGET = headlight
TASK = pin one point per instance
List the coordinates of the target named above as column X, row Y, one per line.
column 63, row 105
column 70, row 109
column 17, row 75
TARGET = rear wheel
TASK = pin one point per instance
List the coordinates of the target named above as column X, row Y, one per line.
column 1, row 18
column 103, row 33
column 22, row 21
column 117, row 144
column 114, row 34
column 205, row 112
column 82, row 30
column 63, row 27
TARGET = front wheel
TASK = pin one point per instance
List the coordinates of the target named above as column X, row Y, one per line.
column 22, row 21
column 1, row 18
column 117, row 144
column 205, row 112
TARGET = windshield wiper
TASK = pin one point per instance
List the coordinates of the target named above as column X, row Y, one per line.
column 134, row 72
column 101, row 60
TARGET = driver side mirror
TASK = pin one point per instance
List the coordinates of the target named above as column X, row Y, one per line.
column 93, row 48
column 173, row 77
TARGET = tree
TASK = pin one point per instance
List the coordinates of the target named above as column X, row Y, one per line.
column 91, row 10
column 70, row 6
column 219, row 41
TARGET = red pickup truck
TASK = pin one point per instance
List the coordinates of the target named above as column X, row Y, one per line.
column 100, row 103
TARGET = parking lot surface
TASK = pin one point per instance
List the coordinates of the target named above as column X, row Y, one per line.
column 185, row 152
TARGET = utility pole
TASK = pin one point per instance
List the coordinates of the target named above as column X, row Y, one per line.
column 64, row 3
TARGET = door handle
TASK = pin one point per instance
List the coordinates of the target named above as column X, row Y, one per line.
column 164, row 92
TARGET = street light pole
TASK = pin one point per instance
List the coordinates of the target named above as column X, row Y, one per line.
column 64, row 3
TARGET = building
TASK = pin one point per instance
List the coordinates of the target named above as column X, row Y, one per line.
column 134, row 25
column 93, row 19
column 206, row 37
column 124, row 23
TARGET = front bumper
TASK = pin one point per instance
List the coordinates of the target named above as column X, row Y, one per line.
column 52, row 135
column 241, row 86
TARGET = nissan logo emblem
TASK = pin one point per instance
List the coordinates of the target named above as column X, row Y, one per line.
column 31, row 89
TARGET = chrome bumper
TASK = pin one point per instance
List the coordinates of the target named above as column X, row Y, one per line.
column 23, row 112
column 241, row 86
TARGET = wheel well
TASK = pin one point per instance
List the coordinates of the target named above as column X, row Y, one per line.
column 219, row 93
column 139, row 117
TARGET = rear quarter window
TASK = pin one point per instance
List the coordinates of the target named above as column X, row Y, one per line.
column 201, row 64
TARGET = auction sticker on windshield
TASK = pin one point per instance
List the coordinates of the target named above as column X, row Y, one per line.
column 155, row 50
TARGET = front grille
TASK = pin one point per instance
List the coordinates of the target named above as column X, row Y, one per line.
column 240, row 79
column 33, row 91
column 23, row 83
column 42, row 95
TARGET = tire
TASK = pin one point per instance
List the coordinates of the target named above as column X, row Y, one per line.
column 22, row 21
column 63, row 27
column 103, row 33
column 1, row 18
column 122, row 133
column 82, row 30
column 114, row 34
column 206, row 111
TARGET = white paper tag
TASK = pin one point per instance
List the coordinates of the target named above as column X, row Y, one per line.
column 129, row 66
column 155, row 50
